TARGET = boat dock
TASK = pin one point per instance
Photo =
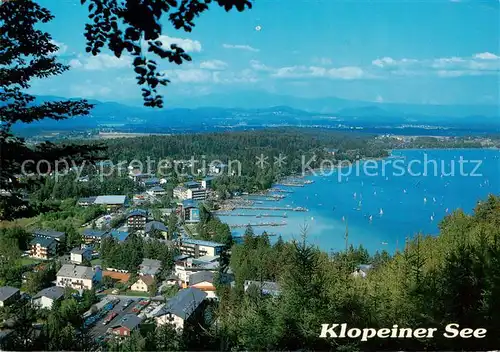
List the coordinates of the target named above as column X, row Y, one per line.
column 291, row 184
column 271, row 208
column 223, row 213
column 258, row 224
column 266, row 198
column 279, row 190
column 269, row 234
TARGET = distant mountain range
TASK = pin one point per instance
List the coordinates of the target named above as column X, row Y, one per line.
column 276, row 110
column 248, row 99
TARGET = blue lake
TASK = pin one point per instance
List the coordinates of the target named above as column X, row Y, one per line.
column 383, row 202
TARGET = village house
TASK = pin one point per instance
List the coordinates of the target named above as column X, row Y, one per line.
column 144, row 283
column 111, row 202
column 204, row 281
column 76, row 276
column 8, row 295
column 183, row 269
column 91, row 236
column 156, row 191
column 42, row 248
column 120, row 234
column 138, row 176
column 126, row 325
column 182, row 308
column 78, row 255
column 206, row 262
column 150, row 182
column 197, row 248
column 86, row 201
column 197, row 193
column 136, row 219
column 190, row 211
column 46, row 297
column 172, row 280
column 149, row 267
column 266, row 287
column 180, row 192
column 156, row 226
column 217, row 168
column 207, row 182
column 192, row 185
column 50, row 234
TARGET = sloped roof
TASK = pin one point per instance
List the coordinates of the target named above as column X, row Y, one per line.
column 76, row 271
column 7, row 291
column 94, row 233
column 147, row 279
column 155, row 225
column 117, row 199
column 201, row 276
column 184, row 303
column 43, row 241
column 54, row 292
column 157, row 189
column 137, row 212
column 48, row 233
column 129, row 321
column 201, row 242
column 265, row 286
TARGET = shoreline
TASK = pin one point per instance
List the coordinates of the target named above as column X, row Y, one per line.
column 407, row 232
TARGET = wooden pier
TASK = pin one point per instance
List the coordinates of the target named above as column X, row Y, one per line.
column 223, row 213
column 279, row 190
column 271, row 208
column 258, row 224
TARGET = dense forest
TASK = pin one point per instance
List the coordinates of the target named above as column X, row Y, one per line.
column 243, row 147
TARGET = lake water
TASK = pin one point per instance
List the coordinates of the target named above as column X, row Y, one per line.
column 415, row 190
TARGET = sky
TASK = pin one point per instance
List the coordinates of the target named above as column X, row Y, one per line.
column 419, row 51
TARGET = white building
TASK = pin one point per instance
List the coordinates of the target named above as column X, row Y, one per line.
column 181, row 308
column 143, row 283
column 156, row 191
column 197, row 194
column 75, row 276
column 77, row 255
column 180, row 192
column 46, row 297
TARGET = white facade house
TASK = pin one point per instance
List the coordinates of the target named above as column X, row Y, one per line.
column 46, row 297
column 143, row 283
column 181, row 308
column 75, row 276
column 156, row 191
column 77, row 255
column 180, row 192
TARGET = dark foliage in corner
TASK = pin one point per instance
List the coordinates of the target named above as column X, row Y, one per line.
column 133, row 25
column 26, row 54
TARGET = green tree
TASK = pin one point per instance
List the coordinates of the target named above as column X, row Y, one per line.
column 28, row 53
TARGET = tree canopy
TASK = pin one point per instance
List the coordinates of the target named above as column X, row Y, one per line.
column 27, row 54
column 134, row 25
